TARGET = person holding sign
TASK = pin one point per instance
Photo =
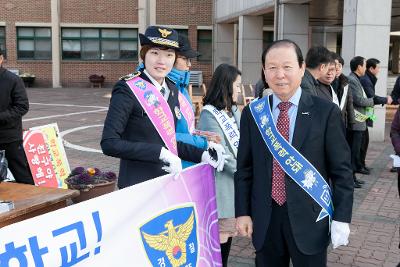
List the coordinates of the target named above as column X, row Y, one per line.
column 221, row 115
column 292, row 150
column 144, row 108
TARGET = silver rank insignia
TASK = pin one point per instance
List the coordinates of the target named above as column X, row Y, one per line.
column 130, row 76
column 178, row 113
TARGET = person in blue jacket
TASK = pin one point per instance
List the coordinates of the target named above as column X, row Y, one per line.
column 180, row 75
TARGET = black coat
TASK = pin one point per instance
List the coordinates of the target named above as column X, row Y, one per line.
column 13, row 105
column 309, row 84
column 396, row 92
column 324, row 91
column 368, row 81
column 129, row 134
column 348, row 111
column 320, row 137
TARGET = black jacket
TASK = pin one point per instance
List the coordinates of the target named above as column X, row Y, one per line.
column 129, row 134
column 340, row 85
column 368, row 82
column 13, row 105
column 309, row 84
column 396, row 92
column 319, row 136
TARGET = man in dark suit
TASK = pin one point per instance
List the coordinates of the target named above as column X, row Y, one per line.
column 282, row 219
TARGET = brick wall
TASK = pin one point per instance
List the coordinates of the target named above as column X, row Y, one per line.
column 25, row 10
column 99, row 11
column 204, row 66
column 192, row 14
column 76, row 74
column 37, row 11
column 184, row 12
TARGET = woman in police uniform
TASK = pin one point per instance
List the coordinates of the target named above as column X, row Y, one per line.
column 128, row 132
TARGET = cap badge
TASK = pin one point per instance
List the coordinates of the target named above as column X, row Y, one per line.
column 164, row 32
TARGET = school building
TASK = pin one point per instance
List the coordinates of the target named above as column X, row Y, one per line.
column 63, row 42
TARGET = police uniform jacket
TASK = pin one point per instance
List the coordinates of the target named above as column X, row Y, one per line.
column 129, row 134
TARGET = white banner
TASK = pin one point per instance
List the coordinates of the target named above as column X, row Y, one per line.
column 162, row 222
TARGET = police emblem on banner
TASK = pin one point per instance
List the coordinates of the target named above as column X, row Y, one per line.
column 170, row 239
column 140, row 84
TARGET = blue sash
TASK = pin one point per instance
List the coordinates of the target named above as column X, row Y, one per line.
column 292, row 162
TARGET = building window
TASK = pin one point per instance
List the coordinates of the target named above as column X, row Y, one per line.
column 204, row 45
column 33, row 43
column 268, row 38
column 183, row 32
column 99, row 44
column 3, row 40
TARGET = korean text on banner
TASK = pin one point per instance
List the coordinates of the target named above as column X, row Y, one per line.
column 46, row 156
column 161, row 222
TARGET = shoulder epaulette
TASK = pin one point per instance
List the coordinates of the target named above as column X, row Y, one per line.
column 130, row 76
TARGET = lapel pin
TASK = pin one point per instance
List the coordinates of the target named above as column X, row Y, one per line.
column 305, row 113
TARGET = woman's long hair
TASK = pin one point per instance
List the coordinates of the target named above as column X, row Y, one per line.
column 219, row 93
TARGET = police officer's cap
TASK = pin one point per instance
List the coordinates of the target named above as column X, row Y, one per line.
column 160, row 36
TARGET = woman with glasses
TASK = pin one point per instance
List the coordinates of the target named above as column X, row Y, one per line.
column 221, row 115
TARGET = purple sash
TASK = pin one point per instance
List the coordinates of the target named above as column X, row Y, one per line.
column 157, row 109
column 187, row 111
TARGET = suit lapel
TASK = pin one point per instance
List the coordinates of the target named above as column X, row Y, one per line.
column 303, row 120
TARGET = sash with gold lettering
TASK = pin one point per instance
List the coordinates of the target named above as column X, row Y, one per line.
column 187, row 111
column 157, row 109
column 229, row 128
column 292, row 162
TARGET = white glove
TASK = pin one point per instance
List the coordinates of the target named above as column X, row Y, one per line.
column 339, row 234
column 215, row 157
column 217, row 147
column 172, row 162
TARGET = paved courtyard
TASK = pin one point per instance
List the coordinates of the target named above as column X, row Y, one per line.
column 374, row 240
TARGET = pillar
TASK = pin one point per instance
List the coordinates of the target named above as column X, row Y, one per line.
column 366, row 33
column 55, row 43
column 250, row 45
column 224, row 44
column 293, row 24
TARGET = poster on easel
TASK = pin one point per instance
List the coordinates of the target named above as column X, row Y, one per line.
column 46, row 156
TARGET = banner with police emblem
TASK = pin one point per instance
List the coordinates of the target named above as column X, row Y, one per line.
column 167, row 221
